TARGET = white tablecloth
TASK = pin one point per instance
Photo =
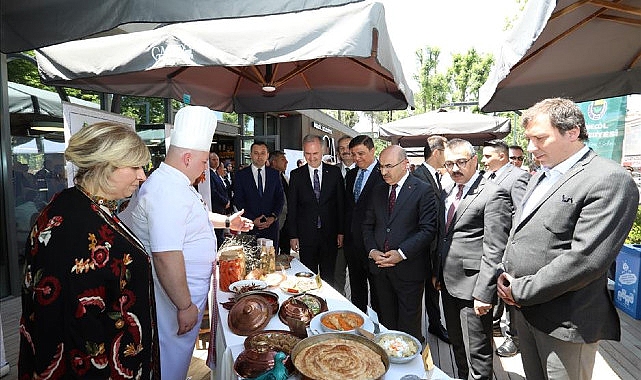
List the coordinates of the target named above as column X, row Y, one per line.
column 230, row 345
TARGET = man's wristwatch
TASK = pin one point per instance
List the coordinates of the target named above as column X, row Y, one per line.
column 227, row 222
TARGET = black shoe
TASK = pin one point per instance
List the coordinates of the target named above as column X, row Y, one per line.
column 440, row 333
column 508, row 349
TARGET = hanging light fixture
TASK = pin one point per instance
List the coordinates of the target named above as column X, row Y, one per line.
column 268, row 86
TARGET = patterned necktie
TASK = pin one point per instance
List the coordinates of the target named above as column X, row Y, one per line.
column 260, row 183
column 391, row 202
column 453, row 206
column 316, row 185
column 317, row 193
column 359, row 184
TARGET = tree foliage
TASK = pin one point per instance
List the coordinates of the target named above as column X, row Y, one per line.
column 467, row 74
column 433, row 85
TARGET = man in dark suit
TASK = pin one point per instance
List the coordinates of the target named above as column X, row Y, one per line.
column 315, row 210
column 258, row 190
column 358, row 189
column 345, row 164
column 576, row 214
column 399, row 225
column 278, row 161
column 478, row 219
column 500, row 171
column 433, row 153
column 219, row 200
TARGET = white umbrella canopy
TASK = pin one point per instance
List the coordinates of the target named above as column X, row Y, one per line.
column 413, row 131
column 580, row 49
column 27, row 25
column 332, row 58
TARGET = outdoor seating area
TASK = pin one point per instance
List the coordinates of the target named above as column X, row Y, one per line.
column 237, row 190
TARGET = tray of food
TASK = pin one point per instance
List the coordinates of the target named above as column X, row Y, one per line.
column 339, row 356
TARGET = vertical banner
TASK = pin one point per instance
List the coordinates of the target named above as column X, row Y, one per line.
column 605, row 122
column 75, row 117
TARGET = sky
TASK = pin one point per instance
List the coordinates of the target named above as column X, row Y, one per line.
column 454, row 26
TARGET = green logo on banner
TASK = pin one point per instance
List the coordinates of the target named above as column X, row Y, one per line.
column 605, row 122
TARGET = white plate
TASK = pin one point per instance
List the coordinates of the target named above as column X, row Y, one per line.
column 315, row 323
column 237, row 287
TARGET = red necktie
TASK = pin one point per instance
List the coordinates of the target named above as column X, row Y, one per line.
column 390, row 208
column 453, row 206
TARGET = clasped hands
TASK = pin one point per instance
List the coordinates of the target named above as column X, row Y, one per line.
column 504, row 289
column 386, row 259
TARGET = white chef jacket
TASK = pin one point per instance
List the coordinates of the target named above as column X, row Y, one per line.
column 168, row 214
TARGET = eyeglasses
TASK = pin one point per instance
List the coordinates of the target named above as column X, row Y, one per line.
column 460, row 163
column 520, row 158
column 388, row 166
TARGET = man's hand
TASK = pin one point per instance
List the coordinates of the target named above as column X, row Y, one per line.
column 187, row 319
column 261, row 222
column 388, row 259
column 293, row 244
column 504, row 289
column 239, row 223
column 436, row 283
column 339, row 241
column 481, row 308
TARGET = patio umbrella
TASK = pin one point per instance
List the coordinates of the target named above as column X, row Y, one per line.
column 413, row 131
column 27, row 25
column 332, row 58
column 581, row 49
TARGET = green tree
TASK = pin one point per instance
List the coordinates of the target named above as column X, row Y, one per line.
column 433, row 86
column 467, row 74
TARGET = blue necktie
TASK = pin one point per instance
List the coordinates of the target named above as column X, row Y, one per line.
column 358, row 184
column 260, row 183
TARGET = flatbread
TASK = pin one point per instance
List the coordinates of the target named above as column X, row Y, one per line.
column 339, row 359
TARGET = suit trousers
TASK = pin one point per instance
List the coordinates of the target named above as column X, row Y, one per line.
column 400, row 301
column 546, row 357
column 340, row 271
column 471, row 337
column 432, row 308
column 357, row 262
column 320, row 256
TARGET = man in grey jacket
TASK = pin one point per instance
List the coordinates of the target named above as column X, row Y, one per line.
column 576, row 215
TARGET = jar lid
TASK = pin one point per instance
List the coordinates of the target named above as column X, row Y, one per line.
column 249, row 314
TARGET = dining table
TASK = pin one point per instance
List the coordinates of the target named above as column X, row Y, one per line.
column 229, row 345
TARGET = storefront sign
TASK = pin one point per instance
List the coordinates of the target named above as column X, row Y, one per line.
column 605, row 122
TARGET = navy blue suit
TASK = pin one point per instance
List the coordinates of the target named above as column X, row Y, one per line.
column 270, row 204
column 410, row 227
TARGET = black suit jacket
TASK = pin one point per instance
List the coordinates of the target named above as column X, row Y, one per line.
column 219, row 197
column 303, row 209
column 424, row 174
column 411, row 226
column 355, row 211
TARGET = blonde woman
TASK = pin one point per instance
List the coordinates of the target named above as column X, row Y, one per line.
column 88, row 303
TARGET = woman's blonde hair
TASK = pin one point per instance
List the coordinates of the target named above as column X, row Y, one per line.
column 99, row 149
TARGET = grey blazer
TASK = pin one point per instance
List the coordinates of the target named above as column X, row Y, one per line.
column 559, row 254
column 474, row 244
column 515, row 181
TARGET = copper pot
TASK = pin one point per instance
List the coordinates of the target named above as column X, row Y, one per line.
column 254, row 361
column 249, row 314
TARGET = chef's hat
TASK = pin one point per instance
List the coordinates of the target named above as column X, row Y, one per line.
column 194, row 128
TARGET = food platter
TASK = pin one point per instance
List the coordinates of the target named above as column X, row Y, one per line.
column 337, row 355
column 299, row 284
column 399, row 346
column 316, row 325
column 244, row 286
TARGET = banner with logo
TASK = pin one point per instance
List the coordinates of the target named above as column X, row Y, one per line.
column 605, row 122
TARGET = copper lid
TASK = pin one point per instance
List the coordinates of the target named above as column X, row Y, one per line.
column 271, row 297
column 249, row 314
column 294, row 307
column 255, row 361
